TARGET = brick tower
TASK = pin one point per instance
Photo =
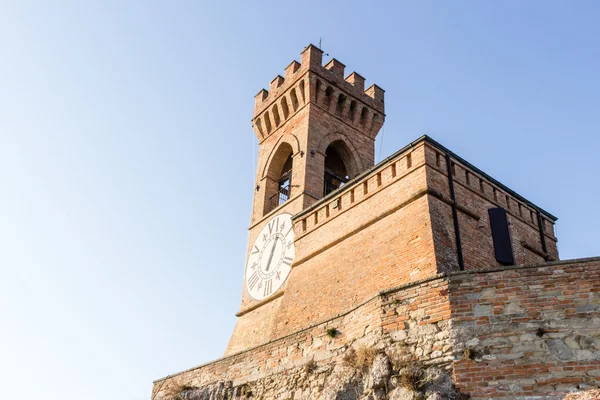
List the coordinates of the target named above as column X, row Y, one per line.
column 316, row 131
column 301, row 115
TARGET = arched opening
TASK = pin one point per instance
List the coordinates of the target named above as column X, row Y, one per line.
column 352, row 111
column 279, row 178
column 276, row 115
column 302, row 91
column 294, row 99
column 363, row 115
column 340, row 104
column 285, row 108
column 336, row 173
column 268, row 122
column 317, row 91
column 328, row 95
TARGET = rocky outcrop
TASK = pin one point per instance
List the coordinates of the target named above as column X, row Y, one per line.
column 360, row 373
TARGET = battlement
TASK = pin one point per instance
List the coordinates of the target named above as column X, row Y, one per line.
column 309, row 81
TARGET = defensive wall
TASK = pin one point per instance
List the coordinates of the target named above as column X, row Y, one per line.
column 512, row 332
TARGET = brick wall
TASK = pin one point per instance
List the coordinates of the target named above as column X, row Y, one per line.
column 391, row 226
column 475, row 194
column 531, row 331
column 359, row 243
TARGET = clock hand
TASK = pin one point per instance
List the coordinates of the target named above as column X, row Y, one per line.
column 271, row 256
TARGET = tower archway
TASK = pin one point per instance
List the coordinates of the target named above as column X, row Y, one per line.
column 338, row 164
column 279, row 177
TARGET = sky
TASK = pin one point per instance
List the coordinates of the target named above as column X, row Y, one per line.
column 127, row 157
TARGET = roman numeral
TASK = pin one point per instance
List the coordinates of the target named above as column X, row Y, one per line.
column 253, row 280
column 255, row 250
column 268, row 287
column 288, row 260
column 272, row 225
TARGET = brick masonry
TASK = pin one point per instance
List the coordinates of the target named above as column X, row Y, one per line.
column 531, row 332
column 391, row 225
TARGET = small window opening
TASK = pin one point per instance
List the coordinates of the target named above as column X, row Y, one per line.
column 501, row 236
column 336, row 174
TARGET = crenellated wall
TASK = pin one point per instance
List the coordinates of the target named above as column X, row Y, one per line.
column 475, row 193
column 325, row 86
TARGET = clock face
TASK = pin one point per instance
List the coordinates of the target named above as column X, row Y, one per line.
column 271, row 257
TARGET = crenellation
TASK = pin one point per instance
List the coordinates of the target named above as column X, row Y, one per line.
column 494, row 195
column 375, row 92
column 377, row 180
column 336, row 68
column 291, row 69
column 356, row 80
column 312, row 57
column 327, row 87
column 276, row 82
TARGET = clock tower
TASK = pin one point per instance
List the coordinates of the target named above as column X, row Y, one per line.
column 316, row 129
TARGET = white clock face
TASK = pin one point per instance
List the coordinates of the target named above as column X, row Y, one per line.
column 271, row 257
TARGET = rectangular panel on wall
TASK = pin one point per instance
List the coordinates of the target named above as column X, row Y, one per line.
column 501, row 236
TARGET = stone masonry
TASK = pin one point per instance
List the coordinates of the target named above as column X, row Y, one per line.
column 529, row 332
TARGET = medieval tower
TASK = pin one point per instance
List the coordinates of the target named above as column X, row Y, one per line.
column 421, row 264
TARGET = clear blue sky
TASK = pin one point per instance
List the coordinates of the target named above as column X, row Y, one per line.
column 127, row 156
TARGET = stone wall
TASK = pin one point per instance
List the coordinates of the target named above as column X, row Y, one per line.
column 528, row 331
column 361, row 352
column 514, row 333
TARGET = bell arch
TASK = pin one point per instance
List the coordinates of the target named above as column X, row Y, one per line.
column 278, row 176
column 346, row 151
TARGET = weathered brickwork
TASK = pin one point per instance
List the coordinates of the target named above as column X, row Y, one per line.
column 475, row 194
column 514, row 333
column 410, row 324
column 391, row 225
column 531, row 332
